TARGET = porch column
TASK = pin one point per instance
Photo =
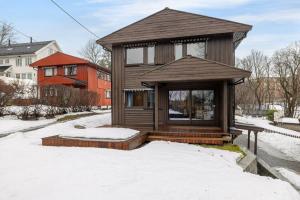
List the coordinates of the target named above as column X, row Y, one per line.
column 156, row 107
column 225, row 106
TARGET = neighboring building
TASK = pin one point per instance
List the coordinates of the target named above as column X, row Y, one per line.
column 19, row 56
column 174, row 69
column 63, row 69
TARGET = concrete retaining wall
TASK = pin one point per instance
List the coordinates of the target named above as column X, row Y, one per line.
column 249, row 162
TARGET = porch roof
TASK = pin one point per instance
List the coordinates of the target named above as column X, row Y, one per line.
column 191, row 68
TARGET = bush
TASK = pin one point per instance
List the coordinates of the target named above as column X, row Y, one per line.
column 270, row 114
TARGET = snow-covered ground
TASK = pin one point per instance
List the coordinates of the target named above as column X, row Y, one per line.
column 291, row 176
column 11, row 123
column 159, row 170
column 101, row 133
column 288, row 145
column 289, row 120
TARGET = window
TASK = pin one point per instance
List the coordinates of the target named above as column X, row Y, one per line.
column 29, row 76
column 178, row 51
column 134, row 98
column 108, row 94
column 135, row 55
column 196, row 49
column 150, row 99
column 70, row 70
column 1, row 62
column 18, row 76
column 151, row 53
column 50, row 51
column 19, row 62
column 7, row 60
column 23, row 76
column 8, row 74
column 50, row 71
column 108, row 77
column 28, row 61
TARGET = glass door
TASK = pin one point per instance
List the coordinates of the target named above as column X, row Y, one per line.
column 203, row 105
column 179, row 105
column 192, row 106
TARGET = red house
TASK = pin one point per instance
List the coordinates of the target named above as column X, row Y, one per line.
column 67, row 70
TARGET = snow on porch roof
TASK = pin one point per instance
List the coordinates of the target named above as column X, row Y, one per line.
column 191, row 68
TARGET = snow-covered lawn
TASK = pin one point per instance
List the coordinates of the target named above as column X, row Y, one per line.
column 289, row 120
column 158, row 170
column 11, row 123
column 291, row 176
column 288, row 145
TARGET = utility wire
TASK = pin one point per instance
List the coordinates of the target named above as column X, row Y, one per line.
column 20, row 32
column 83, row 26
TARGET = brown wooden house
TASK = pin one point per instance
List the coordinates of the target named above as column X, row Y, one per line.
column 175, row 69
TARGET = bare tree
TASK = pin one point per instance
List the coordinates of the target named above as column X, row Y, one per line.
column 257, row 63
column 287, row 67
column 6, row 33
column 96, row 54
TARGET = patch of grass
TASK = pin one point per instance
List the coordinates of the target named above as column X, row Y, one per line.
column 73, row 117
column 226, row 147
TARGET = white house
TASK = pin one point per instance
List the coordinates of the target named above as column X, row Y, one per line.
column 15, row 58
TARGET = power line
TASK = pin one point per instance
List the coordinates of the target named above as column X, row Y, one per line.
column 83, row 26
column 18, row 31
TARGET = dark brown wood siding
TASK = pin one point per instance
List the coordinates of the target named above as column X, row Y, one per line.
column 118, row 81
column 221, row 49
column 164, row 53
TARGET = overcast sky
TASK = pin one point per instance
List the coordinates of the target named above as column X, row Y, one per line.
column 276, row 23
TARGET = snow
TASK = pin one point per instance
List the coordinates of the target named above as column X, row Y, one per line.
column 291, row 176
column 9, row 80
column 289, row 120
column 11, row 123
column 288, row 145
column 101, row 133
column 276, row 107
column 158, row 170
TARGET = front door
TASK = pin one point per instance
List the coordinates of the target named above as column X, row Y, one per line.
column 196, row 107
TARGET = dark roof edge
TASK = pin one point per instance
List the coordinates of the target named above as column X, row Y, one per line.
column 189, row 56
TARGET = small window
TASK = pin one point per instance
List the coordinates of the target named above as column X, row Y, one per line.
column 28, row 61
column 19, row 62
column 50, row 71
column 1, row 61
column 134, row 98
column 8, row 74
column 150, row 99
column 135, row 56
column 18, row 76
column 108, row 94
column 196, row 49
column 151, row 53
column 23, row 76
column 178, row 51
column 29, row 76
column 7, row 60
column 70, row 70
column 50, row 51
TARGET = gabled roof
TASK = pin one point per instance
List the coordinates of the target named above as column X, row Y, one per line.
column 169, row 23
column 22, row 48
column 3, row 68
column 60, row 58
column 191, row 68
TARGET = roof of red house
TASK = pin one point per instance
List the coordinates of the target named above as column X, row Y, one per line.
column 60, row 58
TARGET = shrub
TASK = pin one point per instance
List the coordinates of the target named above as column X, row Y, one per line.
column 270, row 114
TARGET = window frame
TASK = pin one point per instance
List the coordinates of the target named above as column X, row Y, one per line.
column 70, row 66
column 133, row 64
column 53, row 69
column 134, row 106
column 19, row 64
column 106, row 94
column 184, row 49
